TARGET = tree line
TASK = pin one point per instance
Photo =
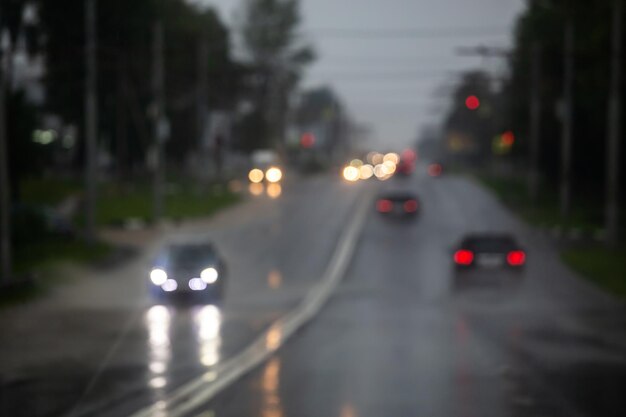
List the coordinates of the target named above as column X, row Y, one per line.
column 263, row 76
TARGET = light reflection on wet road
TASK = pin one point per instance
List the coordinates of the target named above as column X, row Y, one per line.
column 53, row 348
column 404, row 336
column 400, row 337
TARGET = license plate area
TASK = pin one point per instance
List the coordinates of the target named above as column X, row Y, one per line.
column 490, row 260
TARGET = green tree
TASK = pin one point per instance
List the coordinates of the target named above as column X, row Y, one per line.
column 269, row 31
column 543, row 21
column 21, row 116
column 124, row 59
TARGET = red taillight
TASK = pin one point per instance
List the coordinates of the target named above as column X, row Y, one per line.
column 410, row 206
column 384, row 206
column 463, row 257
column 516, row 258
column 434, row 170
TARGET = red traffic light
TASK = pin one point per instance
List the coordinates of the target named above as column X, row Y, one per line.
column 307, row 140
column 508, row 138
column 472, row 102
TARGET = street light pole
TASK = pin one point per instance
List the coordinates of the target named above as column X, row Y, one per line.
column 613, row 145
column 160, row 124
column 5, row 192
column 91, row 122
column 566, row 139
column 535, row 121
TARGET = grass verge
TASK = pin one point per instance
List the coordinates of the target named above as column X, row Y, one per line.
column 35, row 266
column 119, row 204
column 602, row 266
column 48, row 192
column 116, row 204
column 545, row 212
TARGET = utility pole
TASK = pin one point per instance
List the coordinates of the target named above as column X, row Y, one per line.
column 613, row 145
column 91, row 122
column 535, row 121
column 160, row 123
column 203, row 85
column 202, row 95
column 120, row 120
column 566, row 139
column 5, row 192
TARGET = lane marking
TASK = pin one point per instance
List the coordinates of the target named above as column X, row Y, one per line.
column 198, row 391
column 104, row 363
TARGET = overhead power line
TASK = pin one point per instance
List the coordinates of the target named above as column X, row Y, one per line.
column 409, row 32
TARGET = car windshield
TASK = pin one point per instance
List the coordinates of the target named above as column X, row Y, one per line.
column 189, row 256
column 303, row 208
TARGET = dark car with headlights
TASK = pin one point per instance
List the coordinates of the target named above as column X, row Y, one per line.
column 192, row 270
column 489, row 250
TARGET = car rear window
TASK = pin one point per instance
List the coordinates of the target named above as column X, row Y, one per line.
column 400, row 197
column 490, row 244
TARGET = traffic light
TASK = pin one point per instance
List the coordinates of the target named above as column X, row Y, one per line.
column 307, row 140
column 472, row 102
column 508, row 138
column 503, row 143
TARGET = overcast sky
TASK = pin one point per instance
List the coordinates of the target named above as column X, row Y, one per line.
column 392, row 61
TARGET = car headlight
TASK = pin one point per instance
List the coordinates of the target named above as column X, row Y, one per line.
column 158, row 276
column 255, row 176
column 209, row 275
column 169, row 285
column 273, row 174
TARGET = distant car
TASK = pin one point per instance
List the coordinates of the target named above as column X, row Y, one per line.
column 435, row 169
column 193, row 269
column 489, row 251
column 405, row 168
column 266, row 166
column 398, row 204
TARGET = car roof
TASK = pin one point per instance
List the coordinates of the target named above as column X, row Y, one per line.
column 398, row 194
column 177, row 244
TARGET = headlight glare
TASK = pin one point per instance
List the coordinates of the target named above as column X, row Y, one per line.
column 273, row 174
column 209, row 275
column 158, row 276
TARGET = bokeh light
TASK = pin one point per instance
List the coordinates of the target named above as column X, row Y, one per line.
column 351, row 173
column 366, row 172
column 274, row 174
column 255, row 175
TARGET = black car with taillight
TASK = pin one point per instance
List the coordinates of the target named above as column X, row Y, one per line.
column 489, row 251
column 398, row 203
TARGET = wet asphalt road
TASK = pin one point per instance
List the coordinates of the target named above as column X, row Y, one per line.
column 404, row 336
column 98, row 346
column 401, row 336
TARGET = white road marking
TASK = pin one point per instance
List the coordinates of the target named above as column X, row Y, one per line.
column 200, row 390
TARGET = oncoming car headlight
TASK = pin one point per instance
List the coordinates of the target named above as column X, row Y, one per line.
column 255, row 176
column 158, row 276
column 273, row 174
column 209, row 275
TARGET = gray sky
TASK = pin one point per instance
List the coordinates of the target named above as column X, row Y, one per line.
column 391, row 61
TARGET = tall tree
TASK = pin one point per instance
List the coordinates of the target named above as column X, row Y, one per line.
column 544, row 21
column 269, row 31
column 124, row 65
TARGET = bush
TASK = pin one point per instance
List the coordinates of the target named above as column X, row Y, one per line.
column 28, row 224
